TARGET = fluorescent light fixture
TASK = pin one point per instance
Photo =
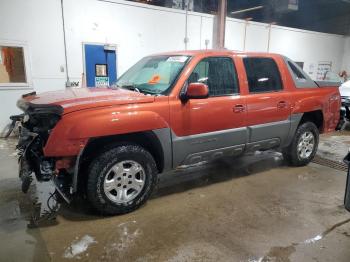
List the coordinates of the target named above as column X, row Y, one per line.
column 248, row 9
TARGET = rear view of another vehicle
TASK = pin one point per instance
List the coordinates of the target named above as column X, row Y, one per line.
column 344, row 89
column 345, row 100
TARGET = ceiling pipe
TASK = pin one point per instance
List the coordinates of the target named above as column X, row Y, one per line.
column 245, row 32
column 68, row 84
column 269, row 39
column 186, row 23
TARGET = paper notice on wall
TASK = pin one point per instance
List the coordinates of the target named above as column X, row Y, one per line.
column 101, row 81
column 322, row 68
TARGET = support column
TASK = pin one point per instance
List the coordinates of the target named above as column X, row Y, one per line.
column 219, row 25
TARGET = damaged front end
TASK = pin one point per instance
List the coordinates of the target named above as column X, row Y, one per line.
column 35, row 126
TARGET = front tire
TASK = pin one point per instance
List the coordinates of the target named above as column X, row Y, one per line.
column 304, row 145
column 121, row 179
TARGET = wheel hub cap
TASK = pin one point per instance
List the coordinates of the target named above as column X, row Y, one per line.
column 306, row 145
column 124, row 181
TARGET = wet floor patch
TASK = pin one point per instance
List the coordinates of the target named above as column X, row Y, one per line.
column 282, row 254
column 18, row 242
column 334, row 146
column 78, row 247
column 228, row 210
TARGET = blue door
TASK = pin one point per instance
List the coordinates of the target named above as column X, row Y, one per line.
column 100, row 64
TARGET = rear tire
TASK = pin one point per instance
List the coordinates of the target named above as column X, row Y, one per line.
column 121, row 179
column 304, row 145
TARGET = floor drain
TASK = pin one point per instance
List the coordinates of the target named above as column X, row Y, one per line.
column 330, row 163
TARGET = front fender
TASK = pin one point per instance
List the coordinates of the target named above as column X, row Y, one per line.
column 73, row 131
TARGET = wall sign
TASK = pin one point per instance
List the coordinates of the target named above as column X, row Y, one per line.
column 322, row 68
column 101, row 81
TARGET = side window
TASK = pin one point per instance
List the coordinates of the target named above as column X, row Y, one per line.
column 12, row 65
column 263, row 75
column 219, row 73
column 297, row 74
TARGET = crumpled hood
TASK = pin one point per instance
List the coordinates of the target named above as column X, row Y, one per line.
column 72, row 99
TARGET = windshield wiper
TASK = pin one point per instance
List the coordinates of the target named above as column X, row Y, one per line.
column 131, row 87
column 149, row 91
column 140, row 90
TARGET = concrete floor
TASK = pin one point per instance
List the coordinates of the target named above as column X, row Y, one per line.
column 249, row 209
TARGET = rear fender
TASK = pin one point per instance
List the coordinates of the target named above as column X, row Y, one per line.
column 326, row 102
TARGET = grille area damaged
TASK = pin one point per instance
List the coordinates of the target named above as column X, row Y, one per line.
column 35, row 125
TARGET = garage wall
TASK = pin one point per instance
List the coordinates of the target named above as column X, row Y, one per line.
column 234, row 34
column 21, row 23
column 346, row 58
column 308, row 47
column 137, row 30
column 300, row 45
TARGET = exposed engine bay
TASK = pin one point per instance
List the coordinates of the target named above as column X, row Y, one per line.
column 36, row 123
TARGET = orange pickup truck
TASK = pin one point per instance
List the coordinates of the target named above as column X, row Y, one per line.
column 168, row 110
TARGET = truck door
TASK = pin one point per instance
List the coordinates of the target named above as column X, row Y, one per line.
column 100, row 65
column 268, row 104
column 207, row 128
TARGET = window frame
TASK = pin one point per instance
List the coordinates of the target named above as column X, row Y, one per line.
column 101, row 65
column 296, row 72
column 27, row 71
column 278, row 70
column 236, row 73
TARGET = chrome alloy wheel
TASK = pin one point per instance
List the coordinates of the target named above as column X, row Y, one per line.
column 124, row 181
column 306, row 145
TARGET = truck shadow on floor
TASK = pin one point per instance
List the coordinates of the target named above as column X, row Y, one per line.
column 188, row 178
column 39, row 209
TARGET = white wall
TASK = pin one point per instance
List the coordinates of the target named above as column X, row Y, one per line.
column 346, row 57
column 234, row 34
column 308, row 47
column 137, row 30
column 300, row 45
column 257, row 37
column 36, row 25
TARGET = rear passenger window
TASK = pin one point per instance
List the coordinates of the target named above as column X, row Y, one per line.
column 263, row 75
column 296, row 72
column 218, row 73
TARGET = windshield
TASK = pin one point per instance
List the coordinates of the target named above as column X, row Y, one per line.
column 154, row 74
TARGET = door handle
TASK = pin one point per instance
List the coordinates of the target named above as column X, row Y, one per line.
column 238, row 108
column 282, row 104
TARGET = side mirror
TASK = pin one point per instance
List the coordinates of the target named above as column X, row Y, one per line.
column 196, row 91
